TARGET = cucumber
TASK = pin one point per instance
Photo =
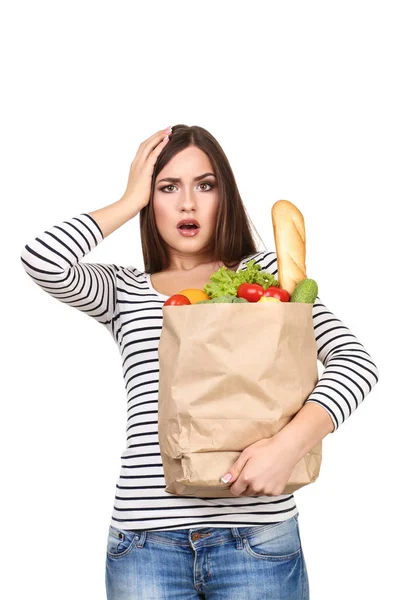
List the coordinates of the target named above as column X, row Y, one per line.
column 305, row 291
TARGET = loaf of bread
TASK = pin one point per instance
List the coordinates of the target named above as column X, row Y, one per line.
column 290, row 244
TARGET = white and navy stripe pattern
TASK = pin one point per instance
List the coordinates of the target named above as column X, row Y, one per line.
column 123, row 300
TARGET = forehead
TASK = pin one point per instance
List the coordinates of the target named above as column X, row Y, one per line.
column 187, row 165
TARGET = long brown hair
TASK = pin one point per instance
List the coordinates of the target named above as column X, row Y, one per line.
column 233, row 239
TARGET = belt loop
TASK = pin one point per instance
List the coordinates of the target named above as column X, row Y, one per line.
column 140, row 539
column 236, row 534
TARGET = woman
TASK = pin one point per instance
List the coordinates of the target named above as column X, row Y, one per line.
column 162, row 545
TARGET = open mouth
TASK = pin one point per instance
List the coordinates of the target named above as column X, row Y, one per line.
column 186, row 226
column 188, row 230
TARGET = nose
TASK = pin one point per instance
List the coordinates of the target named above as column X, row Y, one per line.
column 187, row 195
column 187, row 201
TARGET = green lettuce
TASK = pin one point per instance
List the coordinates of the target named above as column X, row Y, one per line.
column 225, row 282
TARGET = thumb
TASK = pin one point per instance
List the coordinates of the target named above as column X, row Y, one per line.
column 234, row 471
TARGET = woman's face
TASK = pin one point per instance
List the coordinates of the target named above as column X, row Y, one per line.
column 180, row 194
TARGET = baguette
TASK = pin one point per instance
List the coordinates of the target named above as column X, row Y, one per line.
column 290, row 244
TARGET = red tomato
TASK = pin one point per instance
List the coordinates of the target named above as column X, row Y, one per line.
column 177, row 300
column 276, row 292
column 252, row 292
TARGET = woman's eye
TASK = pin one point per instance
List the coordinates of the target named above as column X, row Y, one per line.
column 171, row 185
column 167, row 186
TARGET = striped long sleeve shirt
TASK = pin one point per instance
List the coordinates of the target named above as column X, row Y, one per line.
column 123, row 300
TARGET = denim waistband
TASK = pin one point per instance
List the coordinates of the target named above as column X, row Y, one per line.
column 207, row 536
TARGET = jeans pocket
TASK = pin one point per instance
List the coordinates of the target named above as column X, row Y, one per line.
column 120, row 542
column 276, row 543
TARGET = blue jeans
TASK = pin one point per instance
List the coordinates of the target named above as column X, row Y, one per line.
column 212, row 563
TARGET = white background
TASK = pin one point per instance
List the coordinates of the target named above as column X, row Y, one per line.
column 303, row 98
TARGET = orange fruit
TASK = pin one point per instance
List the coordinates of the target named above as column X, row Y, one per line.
column 194, row 295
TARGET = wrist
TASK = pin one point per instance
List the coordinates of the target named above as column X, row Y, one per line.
column 130, row 205
column 305, row 430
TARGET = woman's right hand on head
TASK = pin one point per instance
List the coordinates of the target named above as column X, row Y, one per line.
column 141, row 171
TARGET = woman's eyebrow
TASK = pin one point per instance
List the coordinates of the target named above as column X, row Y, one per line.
column 178, row 179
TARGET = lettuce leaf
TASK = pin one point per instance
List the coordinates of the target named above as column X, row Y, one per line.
column 225, row 282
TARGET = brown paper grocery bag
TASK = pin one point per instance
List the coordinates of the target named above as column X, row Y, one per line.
column 230, row 375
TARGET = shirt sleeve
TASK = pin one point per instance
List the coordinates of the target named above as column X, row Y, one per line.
column 350, row 373
column 53, row 261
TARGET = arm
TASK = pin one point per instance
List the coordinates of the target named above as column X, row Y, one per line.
column 53, row 260
column 349, row 374
column 308, row 427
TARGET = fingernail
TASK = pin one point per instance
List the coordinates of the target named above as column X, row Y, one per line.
column 227, row 477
